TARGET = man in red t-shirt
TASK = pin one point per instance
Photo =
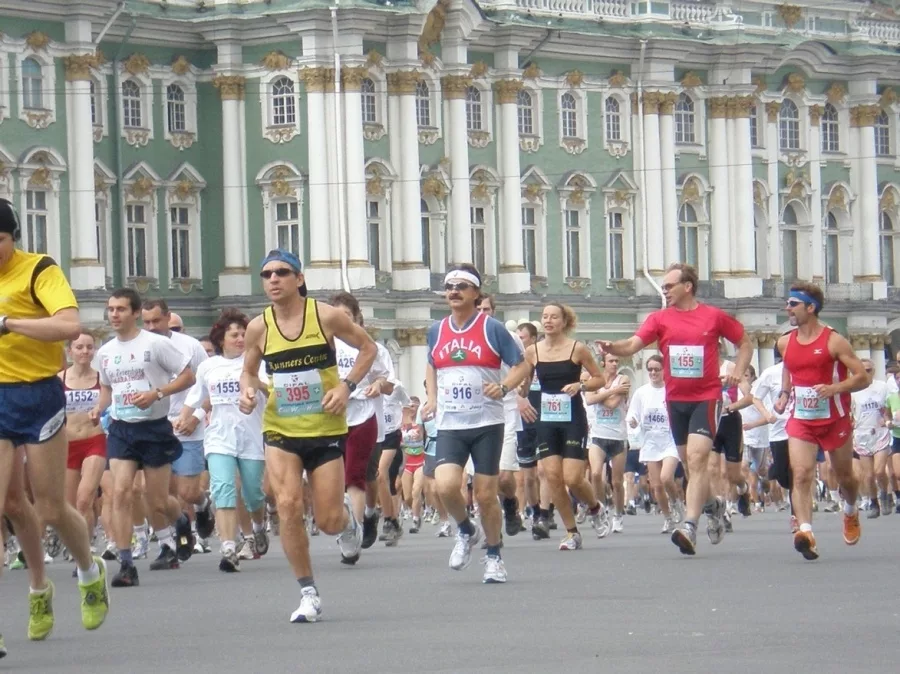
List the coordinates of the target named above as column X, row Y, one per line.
column 817, row 362
column 688, row 334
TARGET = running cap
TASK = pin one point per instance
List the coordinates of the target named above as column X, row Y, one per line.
column 462, row 275
column 9, row 219
column 286, row 256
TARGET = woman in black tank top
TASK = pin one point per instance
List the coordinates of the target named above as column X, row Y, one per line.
column 562, row 427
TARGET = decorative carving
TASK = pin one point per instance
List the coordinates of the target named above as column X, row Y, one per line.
column 790, row 14
column 276, row 60
column 136, row 64
column 403, row 82
column 617, row 149
column 864, row 115
column 455, row 86
column 315, row 79
column 760, row 83
column 38, row 119
column 772, row 110
column 532, row 72
column 796, row 190
column 886, row 203
column 479, row 69
column 181, row 139
column 815, row 114
column 99, row 183
column 407, row 337
column 507, row 91
column 690, row 193
column 579, row 283
column 758, row 196
column 620, row 197
column 428, row 136
column 137, row 137
column 574, row 78
column 141, row 188
column 835, row 94
column 529, row 143
column 181, row 66
column 795, row 83
column 445, row 163
column 667, row 103
column 479, row 139
column 37, row 40
column 481, row 192
column 576, row 197
column 691, row 80
column 433, row 186
column 231, row 87
column 374, row 59
column 434, row 25
column 78, row 67
column 877, row 342
column 790, row 178
column 352, row 77
column 718, row 107
column 533, row 192
column 185, row 189
column 98, row 133
column 281, row 134
column 40, row 178
column 651, row 102
column 743, row 105
column 427, row 59
column 837, row 200
column 888, row 98
column 375, row 186
column 373, row 132
column 574, row 145
column 617, row 80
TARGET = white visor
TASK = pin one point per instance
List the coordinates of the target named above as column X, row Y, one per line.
column 462, row 275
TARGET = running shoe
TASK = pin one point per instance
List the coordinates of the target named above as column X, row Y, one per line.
column 446, row 531
column 230, row 562
column 166, row 560
column 201, row 547
column 874, row 510
column 205, row 520
column 885, row 504
column 461, row 555
column 715, row 522
column 40, row 619
column 851, row 529
column 110, row 554
column 494, row 570
column 630, row 509
column 830, row 507
column 617, row 524
column 18, row 562
column 416, row 525
column 551, row 522
column 310, row 609
column 571, row 541
column 685, row 537
column 743, row 503
column 274, row 521
column 127, row 576
column 95, row 598
column 513, row 521
column 2, row 648
column 600, row 522
column 261, row 542
column 805, row 544
column 540, row 529
column 52, row 543
column 247, row 549
column 140, row 547
column 729, row 526
column 392, row 533
column 668, row 526
column 581, row 514
column 677, row 512
column 370, row 530
column 350, row 539
column 647, row 503
column 184, row 538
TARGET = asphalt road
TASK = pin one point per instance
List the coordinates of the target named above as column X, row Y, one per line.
column 630, row 603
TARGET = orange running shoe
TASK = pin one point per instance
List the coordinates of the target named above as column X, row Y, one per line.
column 805, row 544
column 851, row 528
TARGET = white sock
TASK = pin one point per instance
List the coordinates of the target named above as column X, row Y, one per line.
column 258, row 527
column 849, row 508
column 44, row 591
column 806, row 528
column 228, row 546
column 89, row 576
column 369, row 511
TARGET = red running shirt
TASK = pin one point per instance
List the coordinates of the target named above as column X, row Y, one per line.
column 809, row 365
column 689, row 342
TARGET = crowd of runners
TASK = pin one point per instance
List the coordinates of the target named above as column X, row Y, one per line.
column 294, row 423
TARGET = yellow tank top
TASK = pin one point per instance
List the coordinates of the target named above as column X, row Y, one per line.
column 301, row 372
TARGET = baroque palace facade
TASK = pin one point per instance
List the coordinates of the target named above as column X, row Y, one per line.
column 570, row 148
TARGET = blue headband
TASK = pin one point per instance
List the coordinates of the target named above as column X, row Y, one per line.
column 282, row 255
column 806, row 299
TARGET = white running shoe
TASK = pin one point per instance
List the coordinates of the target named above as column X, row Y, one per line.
column 461, row 556
column 571, row 542
column 310, row 609
column 445, row 531
column 617, row 524
column 600, row 522
column 494, row 570
column 668, row 525
column 350, row 539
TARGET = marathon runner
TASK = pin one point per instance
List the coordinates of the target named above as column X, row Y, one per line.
column 872, row 441
column 304, row 423
column 688, row 333
column 822, row 370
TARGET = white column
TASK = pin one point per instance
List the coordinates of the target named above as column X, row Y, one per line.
column 720, row 208
column 667, row 177
column 393, row 136
column 743, row 194
column 334, row 180
column 870, row 265
column 856, row 206
column 878, row 360
column 362, row 274
column 454, row 88
column 653, row 185
column 817, row 254
column 320, row 250
column 774, row 237
column 513, row 276
column 86, row 272
column 766, row 352
column 235, row 277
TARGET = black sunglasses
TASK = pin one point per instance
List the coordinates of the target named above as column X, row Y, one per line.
column 281, row 272
column 458, row 286
column 176, row 329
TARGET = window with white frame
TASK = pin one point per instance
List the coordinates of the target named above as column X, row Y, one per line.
column 36, row 215
column 176, row 113
column 180, row 223
column 525, row 106
column 882, row 135
column 758, row 233
column 887, row 249
column 100, row 227
column 789, row 248
column 789, row 125
column 689, row 235
column 613, row 110
column 575, row 242
column 530, row 238
column 423, row 104
column 832, row 249
column 132, row 105
column 96, row 107
column 685, row 121
column 426, row 232
column 754, row 125
column 474, row 110
column 373, row 232
column 616, row 243
column 478, row 237
column 568, row 111
column 287, row 224
column 284, row 102
column 831, row 130
column 136, row 235
column 368, row 101
column 32, row 84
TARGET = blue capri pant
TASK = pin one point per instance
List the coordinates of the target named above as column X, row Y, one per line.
column 222, row 472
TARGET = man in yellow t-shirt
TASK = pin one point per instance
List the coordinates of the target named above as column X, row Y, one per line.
column 38, row 312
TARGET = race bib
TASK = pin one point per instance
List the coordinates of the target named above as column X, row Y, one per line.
column 463, row 393
column 124, row 395
column 809, row 406
column 225, row 392
column 345, row 363
column 298, row 393
column 686, row 362
column 388, row 419
column 81, row 400
column 608, row 417
column 656, row 420
column 556, row 407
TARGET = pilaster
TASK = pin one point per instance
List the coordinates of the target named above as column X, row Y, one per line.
column 658, row 253
column 862, row 117
column 454, row 90
column 666, row 107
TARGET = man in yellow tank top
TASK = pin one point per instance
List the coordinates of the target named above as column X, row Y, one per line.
column 304, row 424
column 38, row 312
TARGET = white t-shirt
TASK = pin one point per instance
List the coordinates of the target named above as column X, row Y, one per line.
column 229, row 431
column 191, row 348
column 145, row 363
column 648, row 407
column 892, row 386
column 869, row 430
column 360, row 408
column 606, row 423
column 755, row 437
column 766, row 389
column 393, row 405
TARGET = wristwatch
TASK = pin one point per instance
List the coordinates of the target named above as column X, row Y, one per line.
column 159, row 394
column 504, row 389
column 351, row 385
column 3, row 329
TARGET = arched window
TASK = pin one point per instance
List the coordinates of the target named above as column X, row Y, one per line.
column 613, row 119
column 526, row 112
column 367, row 97
column 684, row 120
column 474, row 116
column 132, row 109
column 688, row 235
column 568, row 109
column 32, row 84
column 832, row 249
column 423, row 104
column 789, row 243
column 175, row 108
column 883, row 135
column 789, row 125
column 831, row 133
column 284, row 104
column 887, row 249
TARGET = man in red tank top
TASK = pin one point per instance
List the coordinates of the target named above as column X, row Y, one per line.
column 816, row 365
